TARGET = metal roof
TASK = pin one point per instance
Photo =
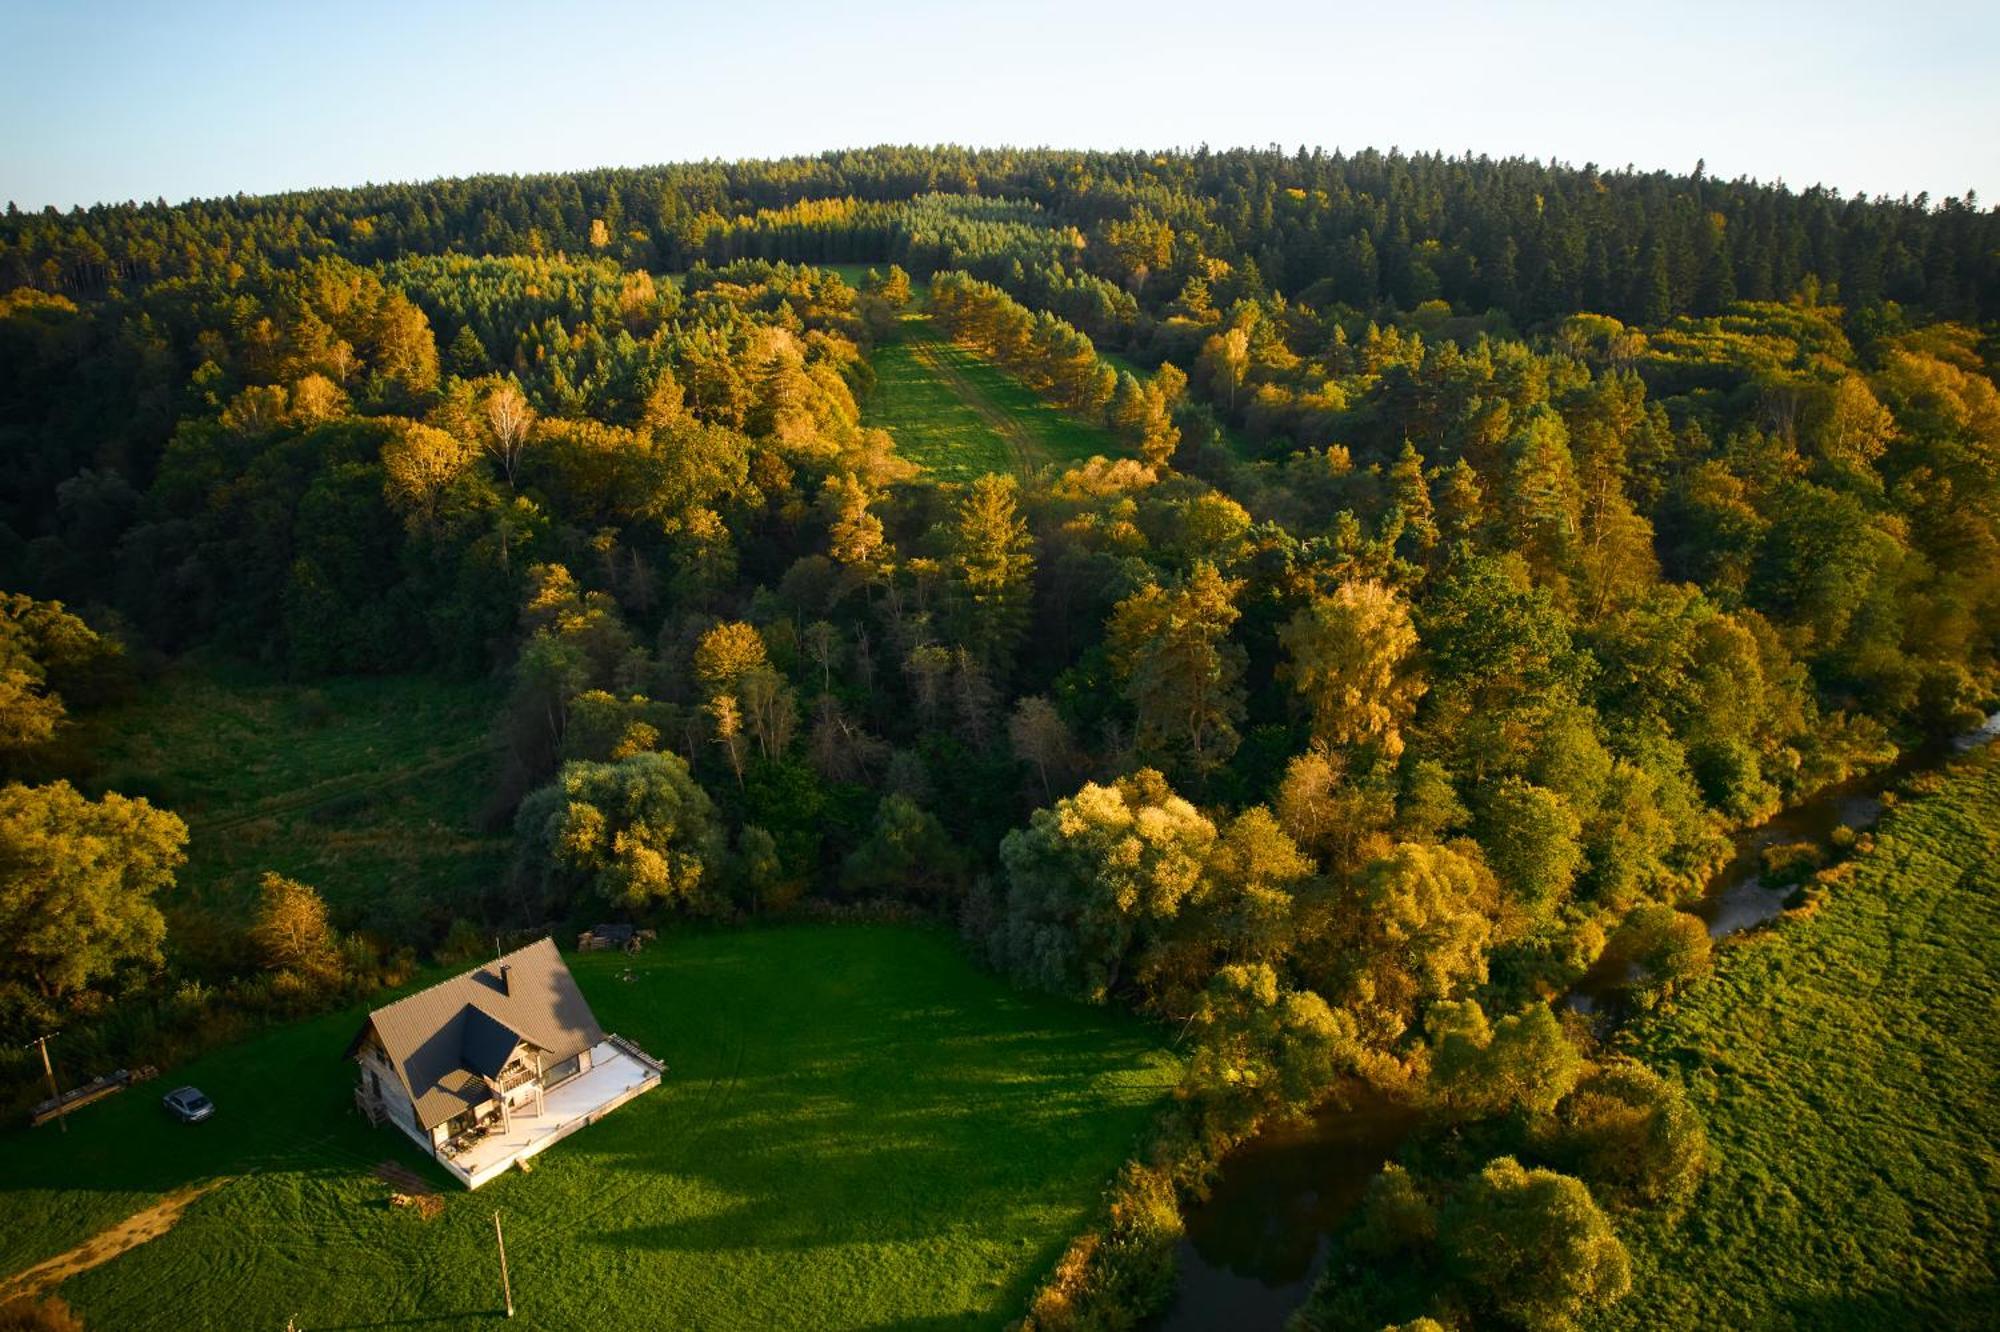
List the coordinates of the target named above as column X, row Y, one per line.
column 442, row 1040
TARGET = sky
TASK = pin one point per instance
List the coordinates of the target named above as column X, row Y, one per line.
column 184, row 99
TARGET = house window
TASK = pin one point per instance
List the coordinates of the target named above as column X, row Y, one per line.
column 556, row 1074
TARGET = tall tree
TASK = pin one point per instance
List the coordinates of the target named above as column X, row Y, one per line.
column 1349, row 658
column 1171, row 649
column 78, row 878
column 992, row 568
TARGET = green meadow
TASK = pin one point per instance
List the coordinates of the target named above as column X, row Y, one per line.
column 1845, row 1066
column 959, row 416
column 368, row 789
column 857, row 1128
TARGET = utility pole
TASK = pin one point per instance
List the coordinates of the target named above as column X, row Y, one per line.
column 506, row 1291
column 42, row 1043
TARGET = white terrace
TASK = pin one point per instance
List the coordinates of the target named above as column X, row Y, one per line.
column 618, row 1072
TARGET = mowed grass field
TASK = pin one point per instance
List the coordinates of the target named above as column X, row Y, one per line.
column 368, row 789
column 959, row 416
column 857, row 1129
column 1846, row 1068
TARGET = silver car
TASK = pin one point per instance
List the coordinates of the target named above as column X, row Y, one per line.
column 188, row 1105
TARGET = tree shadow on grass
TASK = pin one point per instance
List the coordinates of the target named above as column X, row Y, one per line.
column 1930, row 1307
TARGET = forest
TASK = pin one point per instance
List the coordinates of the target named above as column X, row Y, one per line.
column 1475, row 546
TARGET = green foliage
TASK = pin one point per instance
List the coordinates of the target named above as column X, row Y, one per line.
column 1534, row 1246
column 638, row 833
column 1095, row 882
column 992, row 568
column 48, row 655
column 1170, row 648
column 1413, row 930
column 907, row 853
column 1265, row 1051
column 1531, row 838
column 1668, row 948
column 1703, row 543
column 1523, row 1062
column 1347, row 661
column 78, row 883
column 1632, row 1134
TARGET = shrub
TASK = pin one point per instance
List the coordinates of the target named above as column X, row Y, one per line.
column 50, row 1315
column 1628, row 1130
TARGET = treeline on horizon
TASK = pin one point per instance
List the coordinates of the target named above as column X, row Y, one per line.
column 1486, row 542
column 1538, row 241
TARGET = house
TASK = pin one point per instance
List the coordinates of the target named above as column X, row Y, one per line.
column 495, row 1065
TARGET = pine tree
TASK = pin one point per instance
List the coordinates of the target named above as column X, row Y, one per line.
column 992, row 570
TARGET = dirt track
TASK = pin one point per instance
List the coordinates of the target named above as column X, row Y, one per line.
column 936, row 356
column 101, row 1248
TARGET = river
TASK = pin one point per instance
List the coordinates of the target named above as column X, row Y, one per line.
column 1255, row 1248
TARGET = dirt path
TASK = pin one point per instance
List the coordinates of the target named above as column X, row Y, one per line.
column 101, row 1248
column 934, row 354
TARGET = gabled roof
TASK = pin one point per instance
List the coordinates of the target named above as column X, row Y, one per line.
column 443, row 1040
column 487, row 1043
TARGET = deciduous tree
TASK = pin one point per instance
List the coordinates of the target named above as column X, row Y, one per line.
column 78, row 879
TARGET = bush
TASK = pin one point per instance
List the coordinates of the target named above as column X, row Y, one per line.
column 50, row 1315
column 1121, row 1275
column 1791, row 863
column 1628, row 1130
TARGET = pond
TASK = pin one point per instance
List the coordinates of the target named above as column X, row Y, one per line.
column 1255, row 1248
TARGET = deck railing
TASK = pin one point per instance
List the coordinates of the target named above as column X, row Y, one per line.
column 624, row 1046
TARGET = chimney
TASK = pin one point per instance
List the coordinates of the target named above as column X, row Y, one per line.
column 504, row 988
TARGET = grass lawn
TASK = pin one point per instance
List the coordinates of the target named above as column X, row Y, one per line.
column 857, row 1129
column 959, row 416
column 353, row 786
column 1845, row 1066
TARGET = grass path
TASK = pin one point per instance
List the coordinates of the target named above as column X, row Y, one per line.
column 959, row 416
column 343, row 787
column 938, row 356
column 1844, row 1064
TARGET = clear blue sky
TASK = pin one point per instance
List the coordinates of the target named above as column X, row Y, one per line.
column 201, row 97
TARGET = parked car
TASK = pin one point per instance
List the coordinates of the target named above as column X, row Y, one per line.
column 188, row 1105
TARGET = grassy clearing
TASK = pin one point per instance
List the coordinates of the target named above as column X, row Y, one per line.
column 959, row 416
column 1845, row 1067
column 368, row 789
column 857, row 1129
column 852, row 274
